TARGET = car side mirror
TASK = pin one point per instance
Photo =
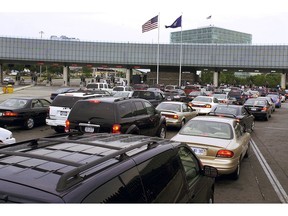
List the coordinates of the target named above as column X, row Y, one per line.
column 210, row 171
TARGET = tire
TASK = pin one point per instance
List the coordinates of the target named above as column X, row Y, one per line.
column 235, row 175
column 29, row 123
column 248, row 151
column 162, row 131
column 182, row 123
column 253, row 126
column 59, row 129
column 211, row 197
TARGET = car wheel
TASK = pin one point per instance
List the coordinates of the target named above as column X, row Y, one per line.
column 29, row 124
column 211, row 197
column 248, row 150
column 162, row 131
column 235, row 175
column 182, row 123
column 252, row 126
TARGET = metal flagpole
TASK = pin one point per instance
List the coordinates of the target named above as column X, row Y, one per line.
column 158, row 49
column 180, row 72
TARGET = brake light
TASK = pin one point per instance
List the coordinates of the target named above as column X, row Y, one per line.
column 94, row 101
column 208, row 106
column 175, row 116
column 9, row 113
column 264, row 109
column 67, row 126
column 225, row 153
column 116, row 129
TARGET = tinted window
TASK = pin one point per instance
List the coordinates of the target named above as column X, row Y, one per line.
column 65, row 101
column 190, row 165
column 124, row 188
column 93, row 111
column 140, row 109
column 162, row 178
column 150, row 108
column 125, row 110
column 45, row 103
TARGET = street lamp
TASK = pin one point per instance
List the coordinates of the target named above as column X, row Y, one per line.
column 41, row 33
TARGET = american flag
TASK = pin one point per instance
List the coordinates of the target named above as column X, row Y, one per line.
column 150, row 24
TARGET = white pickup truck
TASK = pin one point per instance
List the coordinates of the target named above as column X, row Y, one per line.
column 102, row 86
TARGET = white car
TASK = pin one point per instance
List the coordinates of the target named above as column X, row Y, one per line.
column 204, row 104
column 6, row 136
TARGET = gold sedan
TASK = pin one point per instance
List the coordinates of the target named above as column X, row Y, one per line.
column 176, row 113
column 218, row 141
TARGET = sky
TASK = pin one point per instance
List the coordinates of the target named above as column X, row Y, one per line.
column 122, row 20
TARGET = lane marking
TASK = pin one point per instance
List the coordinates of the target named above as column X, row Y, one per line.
column 282, row 195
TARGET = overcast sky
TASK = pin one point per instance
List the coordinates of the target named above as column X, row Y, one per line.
column 122, row 20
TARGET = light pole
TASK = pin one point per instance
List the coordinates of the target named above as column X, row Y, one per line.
column 41, row 33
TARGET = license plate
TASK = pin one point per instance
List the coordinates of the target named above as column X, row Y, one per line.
column 199, row 151
column 253, row 109
column 89, row 129
column 1, row 114
column 63, row 113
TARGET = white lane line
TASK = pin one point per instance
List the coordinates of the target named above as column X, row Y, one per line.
column 270, row 175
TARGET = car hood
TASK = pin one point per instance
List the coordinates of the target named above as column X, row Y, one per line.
column 205, row 141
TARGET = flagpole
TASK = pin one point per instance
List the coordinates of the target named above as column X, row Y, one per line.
column 158, row 49
column 180, row 69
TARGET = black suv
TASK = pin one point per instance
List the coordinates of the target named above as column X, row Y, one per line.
column 238, row 95
column 116, row 115
column 103, row 168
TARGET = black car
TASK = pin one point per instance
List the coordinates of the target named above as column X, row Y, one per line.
column 116, row 115
column 24, row 111
column 103, row 168
column 259, row 107
column 61, row 91
column 176, row 95
column 245, row 118
column 154, row 97
column 239, row 96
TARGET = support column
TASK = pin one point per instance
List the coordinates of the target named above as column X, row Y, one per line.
column 65, row 75
column 283, row 80
column 1, row 74
column 216, row 78
column 129, row 72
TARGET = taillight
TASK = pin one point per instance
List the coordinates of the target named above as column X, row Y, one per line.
column 264, row 109
column 9, row 113
column 116, row 129
column 175, row 116
column 225, row 154
column 208, row 106
column 67, row 126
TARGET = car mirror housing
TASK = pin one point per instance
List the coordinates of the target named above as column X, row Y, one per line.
column 210, row 171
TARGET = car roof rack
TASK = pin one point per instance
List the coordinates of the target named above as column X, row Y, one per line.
column 73, row 176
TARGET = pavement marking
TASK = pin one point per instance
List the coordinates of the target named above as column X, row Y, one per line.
column 276, row 128
column 282, row 195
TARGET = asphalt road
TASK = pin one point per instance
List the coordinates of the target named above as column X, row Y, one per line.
column 259, row 182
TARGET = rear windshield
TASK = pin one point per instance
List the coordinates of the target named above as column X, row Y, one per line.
column 93, row 111
column 65, row 101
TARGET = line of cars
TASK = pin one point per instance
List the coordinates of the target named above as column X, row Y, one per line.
column 220, row 138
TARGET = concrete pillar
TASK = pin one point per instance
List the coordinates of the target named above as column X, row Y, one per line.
column 65, row 75
column 216, row 78
column 1, row 74
column 283, row 80
column 129, row 72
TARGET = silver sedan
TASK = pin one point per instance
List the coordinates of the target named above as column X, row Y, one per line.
column 176, row 113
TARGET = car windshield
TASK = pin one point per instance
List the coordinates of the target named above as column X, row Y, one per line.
column 169, row 106
column 210, row 129
column 144, row 94
column 220, row 96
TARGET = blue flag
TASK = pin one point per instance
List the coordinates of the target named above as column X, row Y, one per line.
column 177, row 23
